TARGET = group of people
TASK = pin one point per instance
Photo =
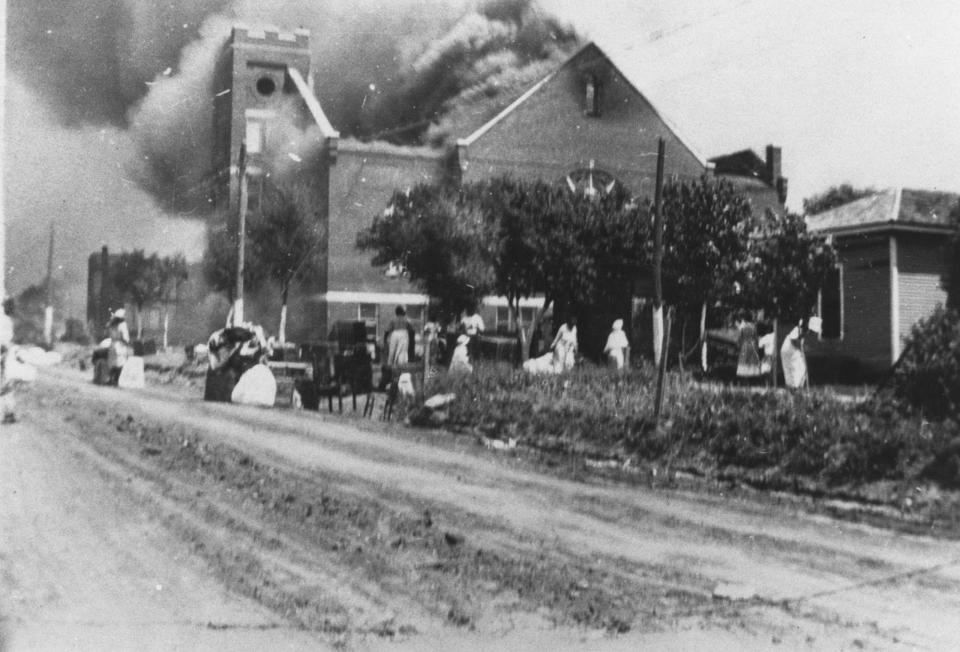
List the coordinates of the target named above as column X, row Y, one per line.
column 756, row 352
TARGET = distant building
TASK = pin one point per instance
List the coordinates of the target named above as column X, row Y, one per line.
column 892, row 258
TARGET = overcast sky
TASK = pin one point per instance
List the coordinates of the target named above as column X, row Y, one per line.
column 860, row 91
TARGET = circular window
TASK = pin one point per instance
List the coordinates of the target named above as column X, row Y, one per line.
column 266, row 86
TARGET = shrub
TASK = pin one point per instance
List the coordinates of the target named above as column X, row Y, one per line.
column 927, row 377
column 777, row 436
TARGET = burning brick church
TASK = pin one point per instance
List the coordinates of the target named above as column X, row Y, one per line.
column 585, row 125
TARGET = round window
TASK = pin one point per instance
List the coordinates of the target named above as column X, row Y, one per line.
column 266, row 86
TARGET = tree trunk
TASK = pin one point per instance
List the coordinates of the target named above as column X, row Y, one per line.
column 282, row 334
column 537, row 322
column 657, row 333
column 139, row 322
column 514, row 306
column 703, row 336
column 166, row 327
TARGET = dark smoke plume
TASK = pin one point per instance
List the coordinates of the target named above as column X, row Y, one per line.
column 109, row 103
column 383, row 70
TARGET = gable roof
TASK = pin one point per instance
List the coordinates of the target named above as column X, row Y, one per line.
column 586, row 50
column 890, row 208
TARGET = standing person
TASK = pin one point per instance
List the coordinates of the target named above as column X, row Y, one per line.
column 432, row 341
column 792, row 356
column 767, row 346
column 748, row 360
column 6, row 345
column 617, row 346
column 398, row 339
column 565, row 344
column 471, row 325
column 119, row 343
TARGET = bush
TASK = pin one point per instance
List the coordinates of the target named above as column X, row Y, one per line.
column 777, row 437
column 927, row 377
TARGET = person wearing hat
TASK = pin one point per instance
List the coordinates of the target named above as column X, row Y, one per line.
column 616, row 346
column 119, row 343
column 792, row 357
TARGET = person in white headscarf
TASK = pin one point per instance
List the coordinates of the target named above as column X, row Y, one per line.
column 460, row 362
column 120, row 348
column 617, row 346
column 792, row 357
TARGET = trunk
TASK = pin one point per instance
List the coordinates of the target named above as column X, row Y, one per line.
column 657, row 333
column 48, row 325
column 535, row 327
column 775, row 363
column 514, row 307
column 166, row 327
column 139, row 322
column 282, row 330
column 703, row 336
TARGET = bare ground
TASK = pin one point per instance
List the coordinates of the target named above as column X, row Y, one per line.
column 365, row 536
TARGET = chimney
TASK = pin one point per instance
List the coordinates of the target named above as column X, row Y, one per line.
column 773, row 165
column 782, row 190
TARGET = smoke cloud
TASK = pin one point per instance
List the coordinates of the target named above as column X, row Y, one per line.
column 126, row 84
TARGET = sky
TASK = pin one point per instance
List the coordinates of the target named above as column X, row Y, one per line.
column 857, row 91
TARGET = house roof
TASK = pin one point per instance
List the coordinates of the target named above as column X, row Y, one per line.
column 890, row 208
column 592, row 46
column 744, row 163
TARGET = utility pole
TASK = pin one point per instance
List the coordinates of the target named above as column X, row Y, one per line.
column 48, row 310
column 241, row 236
column 658, row 257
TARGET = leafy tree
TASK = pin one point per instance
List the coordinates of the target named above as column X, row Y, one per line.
column 29, row 315
column 706, row 223
column 786, row 269
column 220, row 262
column 287, row 240
column 513, row 238
column 172, row 273
column 443, row 241
column 833, row 197
column 577, row 251
column 136, row 276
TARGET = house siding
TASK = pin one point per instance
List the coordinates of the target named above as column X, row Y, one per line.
column 920, row 259
column 866, row 303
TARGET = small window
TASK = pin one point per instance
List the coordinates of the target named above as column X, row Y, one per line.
column 831, row 305
column 266, row 86
column 254, row 193
column 527, row 315
column 254, row 137
column 415, row 313
column 503, row 319
column 592, row 97
column 369, row 314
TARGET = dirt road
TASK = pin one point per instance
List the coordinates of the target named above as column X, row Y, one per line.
column 368, row 536
column 84, row 567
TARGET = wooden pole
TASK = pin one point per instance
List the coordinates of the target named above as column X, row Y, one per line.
column 241, row 236
column 662, row 369
column 48, row 310
column 658, row 257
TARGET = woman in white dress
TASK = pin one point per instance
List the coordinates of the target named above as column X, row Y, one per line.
column 792, row 357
